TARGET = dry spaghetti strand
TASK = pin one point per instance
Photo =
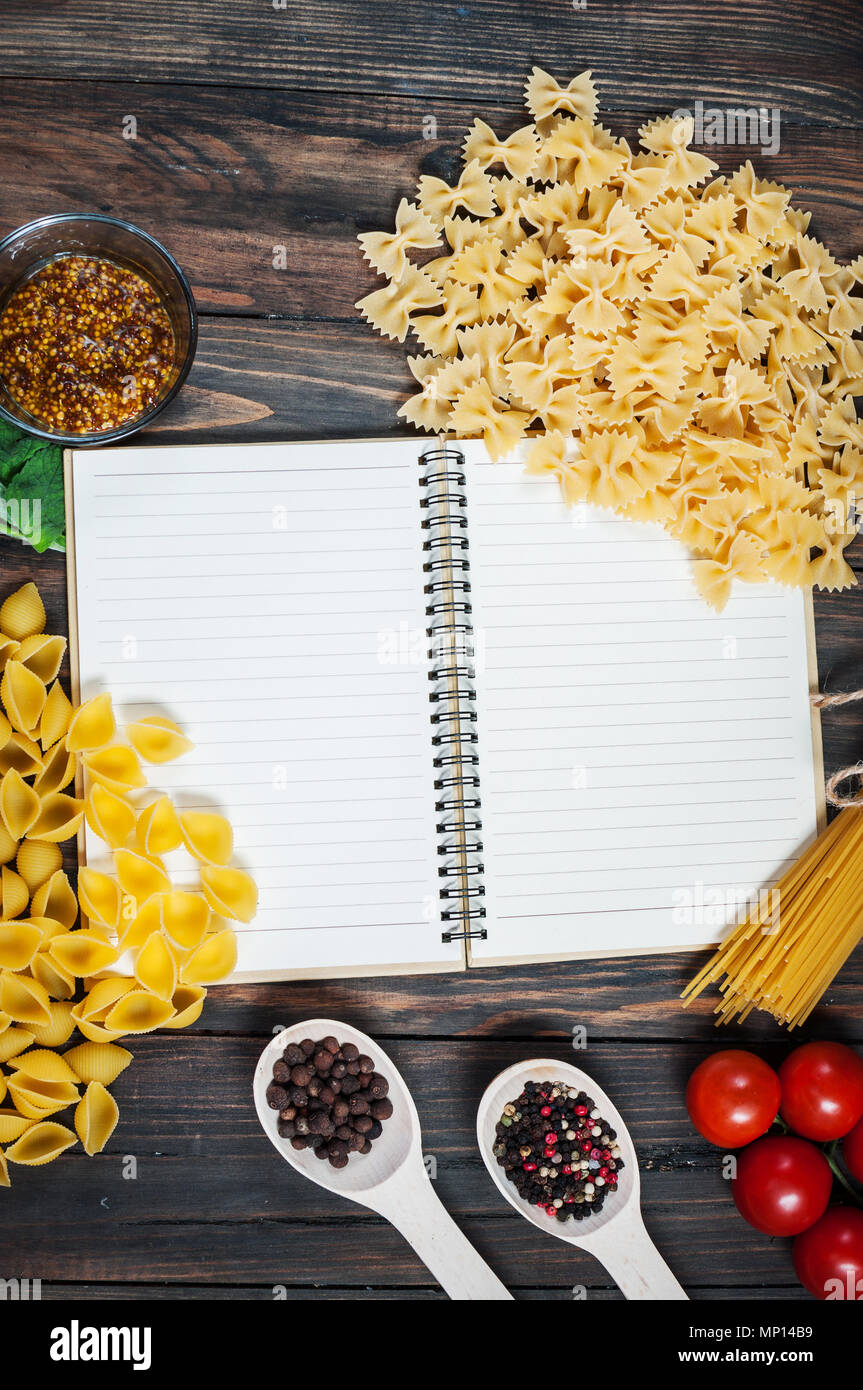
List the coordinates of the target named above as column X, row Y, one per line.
column 783, row 967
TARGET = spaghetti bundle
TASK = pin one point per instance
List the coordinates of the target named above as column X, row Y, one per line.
column 785, row 954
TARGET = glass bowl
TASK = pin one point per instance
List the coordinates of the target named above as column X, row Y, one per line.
column 89, row 234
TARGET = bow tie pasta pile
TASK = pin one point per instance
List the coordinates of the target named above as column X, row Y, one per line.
column 150, row 949
column 685, row 347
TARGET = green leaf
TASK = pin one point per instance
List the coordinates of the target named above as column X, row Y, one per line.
column 32, row 501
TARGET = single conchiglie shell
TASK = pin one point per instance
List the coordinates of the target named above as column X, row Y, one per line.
column 13, row 1041
column 24, row 999
column 95, row 1032
column 37, row 860
column 158, row 740
column 12, row 1126
column 20, row 754
column 139, row 1012
column 23, row 613
column 140, row 877
column 61, row 1027
column 99, row 896
column 23, row 696
column 58, row 819
column 55, row 716
column 57, row 771
column 158, row 829
column 43, row 655
column 213, row 960
column 5, row 1180
column 56, row 899
column 207, row 836
column 8, row 649
column 43, row 1065
column 230, row 892
column 19, row 942
column 92, row 725
column 31, row 1095
column 156, row 967
column 188, row 1000
column 96, row 1118
column 116, row 767
column 185, row 917
column 103, row 996
column 19, row 805
column 98, row 1062
column 135, row 929
column 41, row 1144
column 110, row 816
column 83, row 952
column 14, row 893
column 8, row 845
column 59, row 983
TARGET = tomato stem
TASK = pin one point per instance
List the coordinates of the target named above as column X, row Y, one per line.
column 830, row 1154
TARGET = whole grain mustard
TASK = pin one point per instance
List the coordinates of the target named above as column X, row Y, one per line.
column 85, row 345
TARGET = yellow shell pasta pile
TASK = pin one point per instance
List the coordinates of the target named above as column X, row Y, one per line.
column 685, row 348
column 149, row 950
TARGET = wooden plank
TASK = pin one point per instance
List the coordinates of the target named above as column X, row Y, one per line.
column 666, row 53
column 209, row 1188
column 225, row 177
column 250, row 1293
column 206, row 1177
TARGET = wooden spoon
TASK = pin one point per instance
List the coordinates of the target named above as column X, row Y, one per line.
column 616, row 1235
column 392, row 1180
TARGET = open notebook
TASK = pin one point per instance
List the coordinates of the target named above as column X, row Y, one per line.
column 452, row 721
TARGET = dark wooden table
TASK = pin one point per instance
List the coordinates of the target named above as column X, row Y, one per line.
column 256, row 127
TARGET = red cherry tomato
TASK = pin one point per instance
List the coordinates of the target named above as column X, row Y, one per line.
column 732, row 1098
column 782, row 1186
column 822, row 1090
column 828, row 1257
column 852, row 1151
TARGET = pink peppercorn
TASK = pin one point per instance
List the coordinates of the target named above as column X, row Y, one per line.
column 551, row 1137
column 529, row 1167
column 545, row 1111
column 581, row 1110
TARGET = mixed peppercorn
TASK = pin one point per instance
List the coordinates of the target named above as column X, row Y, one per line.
column 85, row 345
column 330, row 1099
column 557, row 1150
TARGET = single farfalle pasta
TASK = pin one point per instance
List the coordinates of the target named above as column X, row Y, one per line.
column 680, row 337
column 147, row 949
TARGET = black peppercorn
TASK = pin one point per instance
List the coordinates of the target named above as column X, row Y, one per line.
column 330, row 1099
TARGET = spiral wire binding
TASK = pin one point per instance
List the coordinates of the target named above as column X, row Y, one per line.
column 453, row 694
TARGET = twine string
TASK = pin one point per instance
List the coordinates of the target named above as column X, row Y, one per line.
column 845, row 774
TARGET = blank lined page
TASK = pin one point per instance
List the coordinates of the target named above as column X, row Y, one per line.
column 268, row 599
column 647, row 764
